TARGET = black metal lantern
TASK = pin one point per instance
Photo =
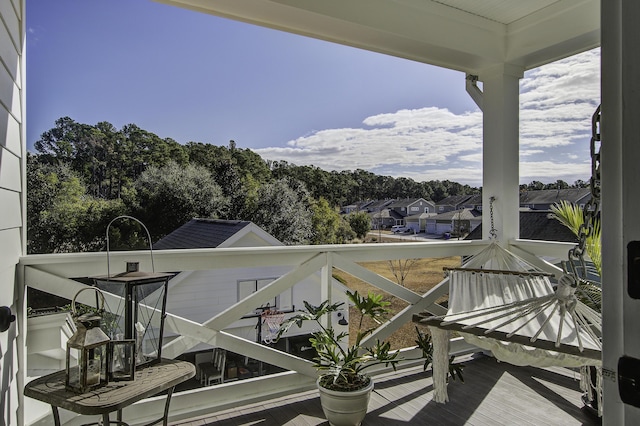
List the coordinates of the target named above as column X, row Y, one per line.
column 87, row 351
column 139, row 315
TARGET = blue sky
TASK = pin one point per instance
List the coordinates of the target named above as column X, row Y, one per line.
column 195, row 77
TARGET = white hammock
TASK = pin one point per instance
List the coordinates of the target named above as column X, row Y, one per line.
column 501, row 303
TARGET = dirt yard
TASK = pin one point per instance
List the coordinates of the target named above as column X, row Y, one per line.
column 423, row 275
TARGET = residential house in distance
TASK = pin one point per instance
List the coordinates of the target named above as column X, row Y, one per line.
column 380, row 214
column 378, row 205
column 545, row 198
column 475, row 202
column 539, row 225
column 385, row 219
column 411, row 206
column 453, row 202
column 418, row 222
column 410, row 210
column 456, row 222
column 356, row 207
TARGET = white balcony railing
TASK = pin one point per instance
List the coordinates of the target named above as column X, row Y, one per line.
column 53, row 273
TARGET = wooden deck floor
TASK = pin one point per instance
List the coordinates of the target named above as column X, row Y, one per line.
column 493, row 394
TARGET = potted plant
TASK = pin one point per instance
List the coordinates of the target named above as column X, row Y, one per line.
column 344, row 385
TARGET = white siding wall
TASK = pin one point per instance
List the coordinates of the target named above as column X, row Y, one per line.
column 200, row 295
column 12, row 148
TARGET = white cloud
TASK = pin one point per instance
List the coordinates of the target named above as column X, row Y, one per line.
column 549, row 171
column 557, row 101
column 529, row 152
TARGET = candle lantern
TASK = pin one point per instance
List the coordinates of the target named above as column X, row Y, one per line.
column 138, row 316
column 87, row 350
column 122, row 360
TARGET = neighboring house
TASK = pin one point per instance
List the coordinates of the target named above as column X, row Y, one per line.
column 418, row 222
column 412, row 206
column 536, row 225
column 475, row 202
column 357, row 207
column 456, row 221
column 453, row 202
column 385, row 219
column 200, row 295
column 378, row 205
column 545, row 198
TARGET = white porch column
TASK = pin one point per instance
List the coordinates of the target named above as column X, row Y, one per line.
column 620, row 195
column 500, row 167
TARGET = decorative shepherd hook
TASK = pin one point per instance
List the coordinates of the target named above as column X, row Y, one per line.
column 153, row 268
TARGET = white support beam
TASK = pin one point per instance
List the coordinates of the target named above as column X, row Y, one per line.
column 620, row 199
column 500, row 151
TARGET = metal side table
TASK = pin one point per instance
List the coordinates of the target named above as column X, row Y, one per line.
column 114, row 396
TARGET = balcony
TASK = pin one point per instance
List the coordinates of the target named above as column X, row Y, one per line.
column 402, row 395
column 494, row 394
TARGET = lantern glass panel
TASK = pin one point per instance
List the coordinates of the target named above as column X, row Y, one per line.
column 73, row 368
column 122, row 364
column 139, row 313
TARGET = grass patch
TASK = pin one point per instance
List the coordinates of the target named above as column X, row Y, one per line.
column 423, row 276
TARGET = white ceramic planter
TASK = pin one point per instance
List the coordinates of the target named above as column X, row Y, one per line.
column 345, row 408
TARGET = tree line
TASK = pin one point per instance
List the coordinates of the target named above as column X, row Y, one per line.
column 82, row 176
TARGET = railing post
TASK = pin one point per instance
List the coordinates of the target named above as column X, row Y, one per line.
column 326, row 274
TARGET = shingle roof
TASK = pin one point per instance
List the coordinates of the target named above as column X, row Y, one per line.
column 461, row 214
column 475, row 200
column 453, row 200
column 536, row 225
column 407, row 202
column 201, row 233
column 378, row 205
column 550, row 196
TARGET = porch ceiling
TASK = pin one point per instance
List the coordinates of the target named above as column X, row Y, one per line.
column 465, row 35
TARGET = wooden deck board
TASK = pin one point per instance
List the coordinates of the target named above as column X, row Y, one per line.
column 494, row 394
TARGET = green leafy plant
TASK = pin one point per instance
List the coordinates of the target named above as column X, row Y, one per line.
column 343, row 367
column 572, row 216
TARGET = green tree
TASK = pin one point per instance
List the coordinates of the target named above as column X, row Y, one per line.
column 61, row 215
column 327, row 224
column 360, row 223
column 282, row 209
column 168, row 197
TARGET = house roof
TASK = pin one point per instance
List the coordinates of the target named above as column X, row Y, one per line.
column 536, row 225
column 201, row 233
column 406, row 202
column 360, row 205
column 461, row 214
column 386, row 213
column 465, row 35
column 378, row 205
column 453, row 200
column 550, row 196
column 474, row 200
